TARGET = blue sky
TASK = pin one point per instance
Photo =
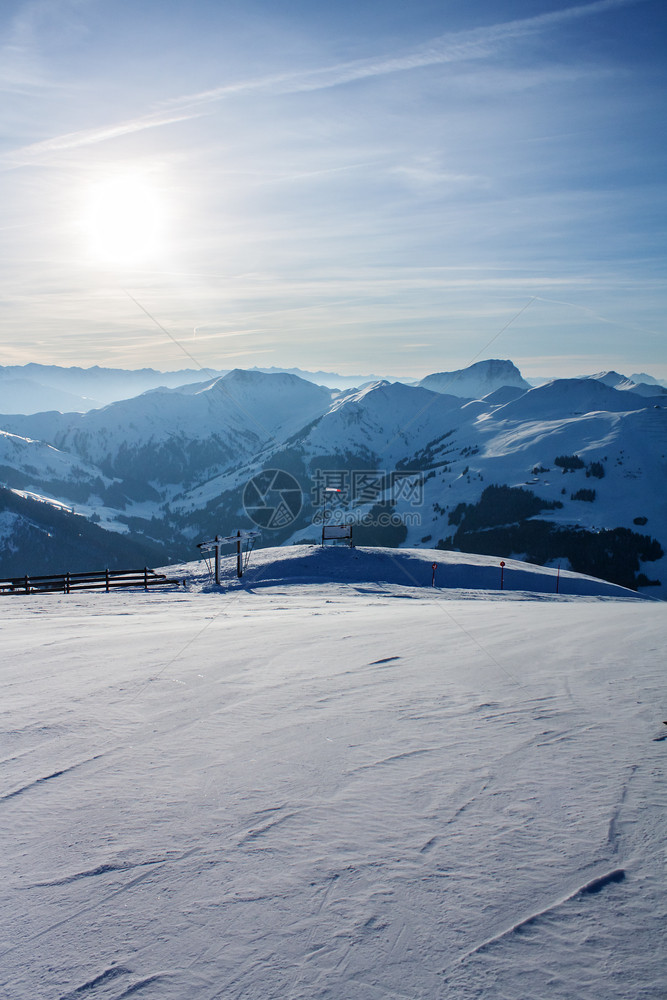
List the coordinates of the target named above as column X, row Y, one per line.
column 384, row 186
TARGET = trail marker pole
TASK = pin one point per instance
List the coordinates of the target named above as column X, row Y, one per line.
column 239, row 564
column 433, row 567
column 502, row 573
column 217, row 559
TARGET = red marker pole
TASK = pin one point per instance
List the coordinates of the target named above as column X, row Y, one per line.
column 502, row 573
column 434, row 567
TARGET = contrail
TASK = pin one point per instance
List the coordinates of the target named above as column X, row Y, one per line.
column 460, row 46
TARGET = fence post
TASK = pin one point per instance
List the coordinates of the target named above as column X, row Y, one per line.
column 27, row 584
column 106, row 578
column 145, row 577
column 67, row 583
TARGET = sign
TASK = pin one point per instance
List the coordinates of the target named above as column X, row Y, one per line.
column 331, row 531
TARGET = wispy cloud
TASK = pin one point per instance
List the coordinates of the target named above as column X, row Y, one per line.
column 478, row 43
column 89, row 137
column 455, row 47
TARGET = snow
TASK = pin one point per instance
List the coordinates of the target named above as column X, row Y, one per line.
column 323, row 783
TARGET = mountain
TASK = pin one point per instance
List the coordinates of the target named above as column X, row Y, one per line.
column 650, row 387
column 584, row 464
column 35, row 388
column 642, row 378
column 176, row 435
column 334, row 380
column 569, row 398
column 477, row 380
column 40, row 537
column 23, row 395
column 383, row 422
column 36, row 467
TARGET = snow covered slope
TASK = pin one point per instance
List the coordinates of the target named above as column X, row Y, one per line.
column 456, row 573
column 26, row 462
column 173, row 435
column 332, row 790
column 385, row 419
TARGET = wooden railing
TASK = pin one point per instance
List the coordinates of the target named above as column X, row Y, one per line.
column 106, row 579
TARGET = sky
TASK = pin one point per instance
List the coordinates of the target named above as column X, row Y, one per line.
column 381, row 186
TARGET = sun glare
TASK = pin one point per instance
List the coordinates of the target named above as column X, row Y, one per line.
column 124, row 220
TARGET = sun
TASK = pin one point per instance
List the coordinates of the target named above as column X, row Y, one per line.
column 124, row 220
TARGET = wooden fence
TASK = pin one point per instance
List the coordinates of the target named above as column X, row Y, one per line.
column 106, row 579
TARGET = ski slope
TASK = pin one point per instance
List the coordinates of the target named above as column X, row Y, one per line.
column 328, row 782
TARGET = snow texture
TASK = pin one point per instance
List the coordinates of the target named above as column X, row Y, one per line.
column 322, row 782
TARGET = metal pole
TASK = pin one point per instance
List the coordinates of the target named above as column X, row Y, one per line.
column 502, row 573
column 558, row 580
column 239, row 567
column 217, row 559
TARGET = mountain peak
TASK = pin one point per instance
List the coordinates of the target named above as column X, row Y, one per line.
column 477, row 380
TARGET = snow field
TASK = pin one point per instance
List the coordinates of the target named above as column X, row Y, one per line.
column 331, row 790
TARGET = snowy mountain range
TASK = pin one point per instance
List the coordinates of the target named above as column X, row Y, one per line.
column 570, row 472
column 34, row 388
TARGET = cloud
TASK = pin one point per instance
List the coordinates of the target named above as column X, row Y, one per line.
column 89, row 137
column 455, row 47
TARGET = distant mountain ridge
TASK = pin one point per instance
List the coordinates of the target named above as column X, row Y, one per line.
column 35, row 388
column 616, row 381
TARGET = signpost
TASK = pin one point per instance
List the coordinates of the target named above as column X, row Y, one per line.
column 502, row 572
column 216, row 544
column 327, row 489
column 333, row 532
